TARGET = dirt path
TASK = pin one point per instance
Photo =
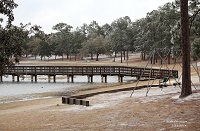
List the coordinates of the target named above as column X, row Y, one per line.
column 17, row 107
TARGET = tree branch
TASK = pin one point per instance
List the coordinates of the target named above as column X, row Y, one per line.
column 192, row 18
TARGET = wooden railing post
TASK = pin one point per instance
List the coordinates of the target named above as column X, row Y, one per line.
column 35, row 69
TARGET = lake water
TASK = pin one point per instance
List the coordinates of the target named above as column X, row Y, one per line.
column 25, row 90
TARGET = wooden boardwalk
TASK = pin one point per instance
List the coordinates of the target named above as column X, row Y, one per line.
column 90, row 71
column 112, row 89
column 79, row 97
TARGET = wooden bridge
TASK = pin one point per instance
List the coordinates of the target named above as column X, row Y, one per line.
column 90, row 71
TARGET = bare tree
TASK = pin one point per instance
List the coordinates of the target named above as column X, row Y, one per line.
column 185, row 41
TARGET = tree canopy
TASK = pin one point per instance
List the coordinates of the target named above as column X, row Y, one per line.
column 6, row 8
column 159, row 29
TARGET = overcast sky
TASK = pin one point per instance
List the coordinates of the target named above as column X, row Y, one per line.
column 47, row 13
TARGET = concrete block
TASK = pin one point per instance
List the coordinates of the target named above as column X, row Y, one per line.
column 65, row 100
column 72, row 101
column 85, row 103
column 79, row 102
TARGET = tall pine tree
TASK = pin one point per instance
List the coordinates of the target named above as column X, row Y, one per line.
column 185, row 42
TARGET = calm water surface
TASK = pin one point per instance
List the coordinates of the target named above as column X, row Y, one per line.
column 25, row 90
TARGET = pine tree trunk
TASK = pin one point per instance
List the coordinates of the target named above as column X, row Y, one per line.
column 124, row 54
column 186, row 76
column 127, row 55
column 121, row 56
column 97, row 58
column 141, row 55
column 154, row 59
column 91, row 56
column 168, row 57
column 75, row 56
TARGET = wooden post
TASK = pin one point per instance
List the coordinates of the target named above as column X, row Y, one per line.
column 122, row 79
column 1, row 78
column 72, row 78
column 91, row 78
column 17, row 78
column 68, row 78
column 119, row 79
column 88, row 79
column 35, row 78
column 54, row 78
column 13, row 78
column 49, row 78
column 105, row 78
column 31, row 78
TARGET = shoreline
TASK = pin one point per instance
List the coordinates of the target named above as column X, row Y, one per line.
column 70, row 91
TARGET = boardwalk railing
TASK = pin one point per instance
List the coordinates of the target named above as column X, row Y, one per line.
column 90, row 70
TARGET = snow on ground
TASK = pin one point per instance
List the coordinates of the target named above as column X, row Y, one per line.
column 110, row 99
column 194, row 96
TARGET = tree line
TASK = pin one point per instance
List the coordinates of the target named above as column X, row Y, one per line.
column 158, row 30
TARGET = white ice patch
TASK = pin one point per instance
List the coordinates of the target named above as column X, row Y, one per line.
column 194, row 96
